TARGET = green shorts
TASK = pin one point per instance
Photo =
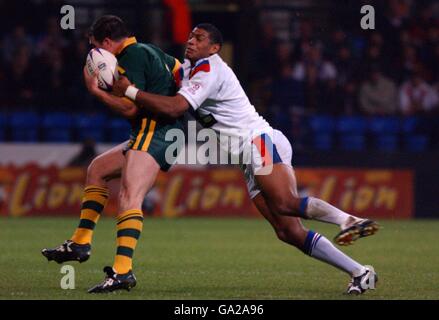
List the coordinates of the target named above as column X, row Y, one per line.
column 148, row 135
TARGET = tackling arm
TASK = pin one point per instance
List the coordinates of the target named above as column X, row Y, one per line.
column 171, row 106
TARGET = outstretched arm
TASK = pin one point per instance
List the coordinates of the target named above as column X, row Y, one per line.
column 171, row 106
column 120, row 105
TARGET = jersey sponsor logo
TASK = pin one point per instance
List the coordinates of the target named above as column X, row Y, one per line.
column 194, row 88
column 203, row 66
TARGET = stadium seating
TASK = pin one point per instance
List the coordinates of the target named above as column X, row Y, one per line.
column 416, row 143
column 118, row 130
column 387, row 143
column 25, row 126
column 90, row 126
column 57, row 127
column 351, row 133
column 322, row 132
column 410, row 125
column 3, row 122
column 385, row 133
column 388, row 134
column 414, row 138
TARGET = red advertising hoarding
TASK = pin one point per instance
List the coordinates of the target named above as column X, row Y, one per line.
column 221, row 191
column 362, row 192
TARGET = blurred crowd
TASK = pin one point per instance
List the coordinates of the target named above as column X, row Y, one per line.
column 39, row 62
column 392, row 70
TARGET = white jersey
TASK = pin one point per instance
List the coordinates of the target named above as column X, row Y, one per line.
column 214, row 92
column 216, row 95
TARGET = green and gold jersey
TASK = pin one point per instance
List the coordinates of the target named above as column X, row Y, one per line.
column 148, row 67
column 150, row 70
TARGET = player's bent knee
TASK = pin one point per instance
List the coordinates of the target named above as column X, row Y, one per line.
column 282, row 235
column 291, row 233
column 94, row 172
column 286, row 206
column 92, row 168
column 290, row 237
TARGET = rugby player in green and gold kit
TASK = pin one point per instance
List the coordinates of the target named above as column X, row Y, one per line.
column 137, row 161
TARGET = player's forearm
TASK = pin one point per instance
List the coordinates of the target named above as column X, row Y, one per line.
column 120, row 105
column 169, row 106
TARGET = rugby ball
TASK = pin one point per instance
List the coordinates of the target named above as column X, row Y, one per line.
column 105, row 63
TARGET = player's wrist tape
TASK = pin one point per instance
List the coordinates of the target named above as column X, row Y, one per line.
column 131, row 92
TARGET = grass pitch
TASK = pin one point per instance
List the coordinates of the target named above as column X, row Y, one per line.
column 218, row 259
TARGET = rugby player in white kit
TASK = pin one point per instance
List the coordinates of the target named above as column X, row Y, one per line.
column 210, row 88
